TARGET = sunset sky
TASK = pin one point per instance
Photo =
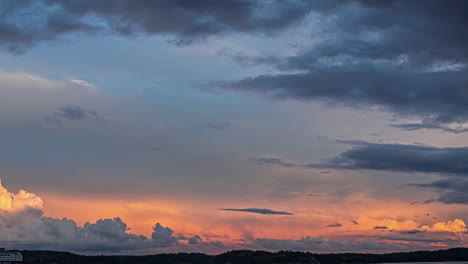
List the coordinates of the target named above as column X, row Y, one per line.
column 141, row 127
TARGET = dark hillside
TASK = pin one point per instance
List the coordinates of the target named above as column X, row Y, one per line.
column 247, row 257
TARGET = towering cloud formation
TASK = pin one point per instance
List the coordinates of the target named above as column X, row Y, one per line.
column 23, row 225
column 16, row 202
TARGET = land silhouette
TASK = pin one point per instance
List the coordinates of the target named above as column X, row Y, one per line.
column 247, row 257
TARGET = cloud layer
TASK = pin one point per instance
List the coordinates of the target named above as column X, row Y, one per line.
column 389, row 157
column 23, row 225
column 408, row 58
column 73, row 113
column 400, row 158
column 452, row 190
column 195, row 20
column 257, row 211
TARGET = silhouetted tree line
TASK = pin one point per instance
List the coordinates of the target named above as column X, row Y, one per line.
column 247, row 257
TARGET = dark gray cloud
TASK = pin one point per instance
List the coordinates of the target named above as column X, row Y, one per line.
column 195, row 19
column 29, row 229
column 334, row 225
column 272, row 161
column 451, row 242
column 454, row 198
column 406, row 57
column 389, row 157
column 453, row 190
column 257, row 211
column 73, row 113
column 321, row 244
column 412, row 232
column 370, row 243
column 400, row 158
column 430, row 126
column 380, row 227
column 194, row 240
column 453, row 184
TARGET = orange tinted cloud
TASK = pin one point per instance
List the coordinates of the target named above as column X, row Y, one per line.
column 191, row 218
column 455, row 226
column 21, row 200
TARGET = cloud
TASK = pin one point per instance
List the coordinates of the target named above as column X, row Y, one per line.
column 30, row 98
column 195, row 20
column 453, row 198
column 412, row 232
column 24, row 226
column 454, row 184
column 452, row 242
column 380, row 227
column 357, row 243
column 194, row 240
column 272, row 161
column 24, row 80
column 73, row 113
column 389, row 157
column 258, row 211
column 84, row 84
column 17, row 202
column 321, row 244
column 363, row 155
column 408, row 58
column 454, row 190
column 334, row 225
column 431, row 126
column 455, row 226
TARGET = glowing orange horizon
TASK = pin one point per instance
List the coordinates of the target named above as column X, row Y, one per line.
column 229, row 227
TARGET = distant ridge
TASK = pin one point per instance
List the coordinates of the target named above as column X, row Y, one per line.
column 247, row 257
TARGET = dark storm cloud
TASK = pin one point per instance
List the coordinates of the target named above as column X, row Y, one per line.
column 184, row 20
column 390, row 157
column 258, row 211
column 73, row 113
column 452, row 190
column 406, row 57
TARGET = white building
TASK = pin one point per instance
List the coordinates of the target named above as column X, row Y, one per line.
column 10, row 257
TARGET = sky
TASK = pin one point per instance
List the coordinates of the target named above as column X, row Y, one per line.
column 144, row 127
